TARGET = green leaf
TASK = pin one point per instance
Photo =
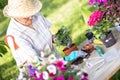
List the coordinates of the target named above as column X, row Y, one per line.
column 85, row 13
column 40, row 59
column 3, row 3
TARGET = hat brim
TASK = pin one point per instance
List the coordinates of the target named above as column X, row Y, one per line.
column 16, row 14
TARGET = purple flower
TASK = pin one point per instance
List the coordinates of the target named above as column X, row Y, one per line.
column 31, row 71
column 29, row 66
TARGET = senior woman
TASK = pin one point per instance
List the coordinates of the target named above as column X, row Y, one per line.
column 28, row 32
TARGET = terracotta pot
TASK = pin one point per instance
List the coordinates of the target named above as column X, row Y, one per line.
column 67, row 51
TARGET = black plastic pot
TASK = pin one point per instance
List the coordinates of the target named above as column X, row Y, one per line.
column 109, row 40
column 90, row 36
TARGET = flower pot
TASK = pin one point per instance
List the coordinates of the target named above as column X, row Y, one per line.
column 88, row 48
column 67, row 51
column 90, row 36
column 109, row 40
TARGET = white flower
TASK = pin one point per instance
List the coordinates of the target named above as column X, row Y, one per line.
column 22, row 70
column 37, row 74
column 45, row 75
column 82, row 76
column 42, row 54
column 52, row 69
column 79, row 73
column 24, row 79
column 83, row 70
column 20, row 77
column 52, row 58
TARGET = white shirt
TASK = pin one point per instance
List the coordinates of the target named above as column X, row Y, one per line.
column 31, row 42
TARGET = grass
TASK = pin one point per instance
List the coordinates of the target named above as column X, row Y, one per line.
column 70, row 16
column 70, row 13
column 51, row 6
column 8, row 68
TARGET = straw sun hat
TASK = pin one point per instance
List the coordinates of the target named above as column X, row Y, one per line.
column 22, row 8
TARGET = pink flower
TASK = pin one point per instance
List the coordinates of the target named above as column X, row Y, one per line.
column 63, row 68
column 95, row 17
column 60, row 65
column 91, row 2
column 59, row 78
column 99, row 1
column 40, row 77
column 70, row 78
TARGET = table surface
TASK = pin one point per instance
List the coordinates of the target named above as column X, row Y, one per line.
column 108, row 69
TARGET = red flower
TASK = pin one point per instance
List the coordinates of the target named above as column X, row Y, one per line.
column 51, row 74
column 85, row 74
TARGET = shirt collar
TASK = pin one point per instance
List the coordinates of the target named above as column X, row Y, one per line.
column 21, row 27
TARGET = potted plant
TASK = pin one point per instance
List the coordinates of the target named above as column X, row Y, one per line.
column 110, row 9
column 62, row 38
column 104, row 18
column 103, row 33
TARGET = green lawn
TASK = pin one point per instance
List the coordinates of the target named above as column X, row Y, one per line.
column 8, row 67
column 70, row 13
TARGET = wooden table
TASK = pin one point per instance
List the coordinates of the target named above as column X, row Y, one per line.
column 107, row 70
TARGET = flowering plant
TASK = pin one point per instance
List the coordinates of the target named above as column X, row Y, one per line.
column 55, row 69
column 106, row 15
